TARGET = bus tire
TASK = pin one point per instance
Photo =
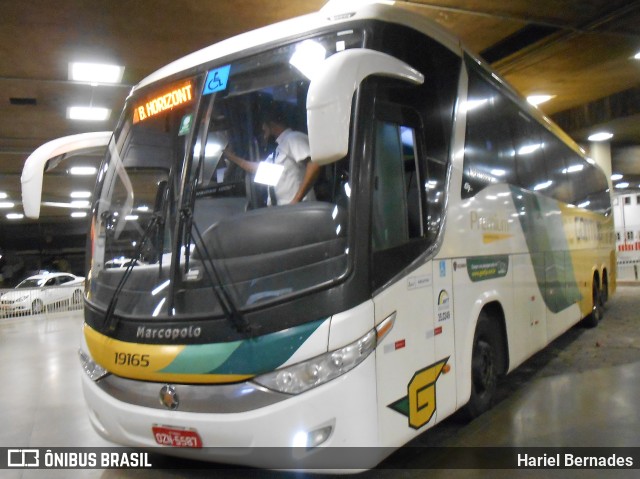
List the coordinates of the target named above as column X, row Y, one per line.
column 594, row 317
column 604, row 291
column 484, row 366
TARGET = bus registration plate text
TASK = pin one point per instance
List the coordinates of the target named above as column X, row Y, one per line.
column 174, row 437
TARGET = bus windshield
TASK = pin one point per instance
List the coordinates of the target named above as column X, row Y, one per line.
column 195, row 198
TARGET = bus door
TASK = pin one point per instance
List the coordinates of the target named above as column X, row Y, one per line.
column 405, row 359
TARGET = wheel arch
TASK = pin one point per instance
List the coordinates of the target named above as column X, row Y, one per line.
column 493, row 308
column 495, row 312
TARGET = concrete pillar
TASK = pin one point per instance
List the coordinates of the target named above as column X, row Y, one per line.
column 600, row 152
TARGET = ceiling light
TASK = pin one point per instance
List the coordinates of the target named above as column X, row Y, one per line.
column 539, row 99
column 622, row 185
column 474, row 104
column 636, row 56
column 15, row 216
column 88, row 113
column 528, row 149
column 95, row 72
column 308, row 57
column 83, row 170
column 601, row 136
column 3, row 195
column 616, row 177
column 542, row 186
column 6, row 204
column 79, row 214
column 80, row 194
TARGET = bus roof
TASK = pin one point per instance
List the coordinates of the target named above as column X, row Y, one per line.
column 334, row 13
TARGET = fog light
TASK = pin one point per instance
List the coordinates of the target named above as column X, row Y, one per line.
column 91, row 368
column 312, row 439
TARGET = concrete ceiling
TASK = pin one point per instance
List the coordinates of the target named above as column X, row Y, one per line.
column 581, row 51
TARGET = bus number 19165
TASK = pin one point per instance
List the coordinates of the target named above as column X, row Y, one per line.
column 128, row 359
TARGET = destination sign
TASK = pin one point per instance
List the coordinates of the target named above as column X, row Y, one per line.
column 168, row 100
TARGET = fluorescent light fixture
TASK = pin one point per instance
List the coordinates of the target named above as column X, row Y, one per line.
column 539, row 99
column 601, row 136
column 80, row 194
column 308, row 57
column 161, row 287
column 498, row 172
column 542, row 186
column 83, row 170
column 79, row 214
column 3, row 195
column 475, row 104
column 95, row 73
column 15, row 216
column 131, row 217
column 212, row 150
column 622, row 185
column 573, row 169
column 6, row 204
column 88, row 113
column 73, row 204
column 156, row 311
column 528, row 149
column 616, row 177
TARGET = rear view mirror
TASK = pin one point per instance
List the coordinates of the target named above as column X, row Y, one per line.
column 331, row 92
column 35, row 165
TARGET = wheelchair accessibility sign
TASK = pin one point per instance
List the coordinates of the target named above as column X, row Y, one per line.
column 217, row 80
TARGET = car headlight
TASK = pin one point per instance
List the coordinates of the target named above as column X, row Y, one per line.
column 321, row 369
column 91, row 368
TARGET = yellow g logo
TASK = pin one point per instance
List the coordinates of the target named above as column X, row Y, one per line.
column 419, row 404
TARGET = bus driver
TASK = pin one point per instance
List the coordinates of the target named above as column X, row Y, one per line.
column 299, row 173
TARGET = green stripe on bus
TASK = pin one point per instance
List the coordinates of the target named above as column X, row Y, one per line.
column 249, row 356
column 543, row 228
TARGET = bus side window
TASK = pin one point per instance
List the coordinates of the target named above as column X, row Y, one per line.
column 397, row 209
column 390, row 209
column 488, row 151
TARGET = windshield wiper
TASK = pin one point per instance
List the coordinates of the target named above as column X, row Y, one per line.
column 110, row 320
column 222, row 295
column 157, row 220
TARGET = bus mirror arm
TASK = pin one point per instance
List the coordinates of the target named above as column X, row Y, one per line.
column 331, row 93
column 35, row 164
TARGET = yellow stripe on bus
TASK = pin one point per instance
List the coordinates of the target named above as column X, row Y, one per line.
column 145, row 361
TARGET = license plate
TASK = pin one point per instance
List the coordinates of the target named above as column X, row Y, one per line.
column 176, row 437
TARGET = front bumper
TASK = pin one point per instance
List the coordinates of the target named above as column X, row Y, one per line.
column 347, row 405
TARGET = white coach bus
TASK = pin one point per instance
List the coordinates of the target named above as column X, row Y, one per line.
column 454, row 232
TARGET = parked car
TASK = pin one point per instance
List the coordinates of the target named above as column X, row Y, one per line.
column 41, row 291
column 121, row 262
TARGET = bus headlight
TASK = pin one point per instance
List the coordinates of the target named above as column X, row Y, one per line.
column 91, row 368
column 321, row 369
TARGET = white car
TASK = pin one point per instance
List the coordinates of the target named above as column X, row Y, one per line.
column 47, row 290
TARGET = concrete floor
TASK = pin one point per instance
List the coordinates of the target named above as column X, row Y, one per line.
column 582, row 390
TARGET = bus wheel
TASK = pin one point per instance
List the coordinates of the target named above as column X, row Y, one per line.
column 604, row 291
column 592, row 320
column 484, row 367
